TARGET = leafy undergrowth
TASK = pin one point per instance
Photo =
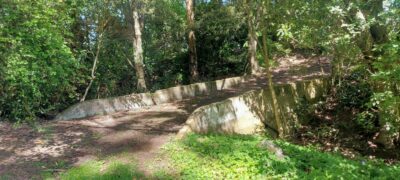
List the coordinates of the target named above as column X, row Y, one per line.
column 239, row 157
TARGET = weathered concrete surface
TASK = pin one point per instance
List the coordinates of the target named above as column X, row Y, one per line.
column 192, row 90
column 232, row 115
column 136, row 101
column 251, row 112
column 106, row 106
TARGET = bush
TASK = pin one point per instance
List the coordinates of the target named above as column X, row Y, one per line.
column 354, row 91
column 40, row 71
column 388, row 106
column 368, row 121
column 386, row 78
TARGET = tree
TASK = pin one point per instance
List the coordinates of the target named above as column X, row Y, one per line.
column 252, row 20
column 192, row 41
column 258, row 22
column 271, row 87
column 136, row 25
column 101, row 29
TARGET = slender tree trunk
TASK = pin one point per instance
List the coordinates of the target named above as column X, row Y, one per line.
column 94, row 67
column 101, row 30
column 138, row 50
column 252, row 38
column 275, row 105
column 194, row 75
column 252, row 50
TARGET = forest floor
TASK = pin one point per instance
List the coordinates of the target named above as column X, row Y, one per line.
column 55, row 146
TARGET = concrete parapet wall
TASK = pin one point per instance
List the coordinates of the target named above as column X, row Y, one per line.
column 252, row 112
column 106, row 106
column 136, row 101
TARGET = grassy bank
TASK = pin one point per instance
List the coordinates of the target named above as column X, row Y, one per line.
column 239, row 157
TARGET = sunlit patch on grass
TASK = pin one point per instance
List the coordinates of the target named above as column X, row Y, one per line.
column 108, row 169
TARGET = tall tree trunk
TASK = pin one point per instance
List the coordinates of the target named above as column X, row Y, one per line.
column 138, row 50
column 275, row 105
column 252, row 38
column 194, row 75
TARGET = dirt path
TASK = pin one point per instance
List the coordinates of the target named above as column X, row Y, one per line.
column 55, row 146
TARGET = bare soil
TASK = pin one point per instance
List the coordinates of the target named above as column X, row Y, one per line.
column 54, row 146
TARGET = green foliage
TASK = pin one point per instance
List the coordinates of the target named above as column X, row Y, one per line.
column 239, row 157
column 388, row 106
column 354, row 91
column 40, row 73
column 386, row 98
column 301, row 25
column 306, row 111
column 113, row 69
column 165, row 44
column 220, row 35
column 367, row 120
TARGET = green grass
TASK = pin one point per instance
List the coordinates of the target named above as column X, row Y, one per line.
column 107, row 169
column 236, row 157
column 239, row 157
column 118, row 167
